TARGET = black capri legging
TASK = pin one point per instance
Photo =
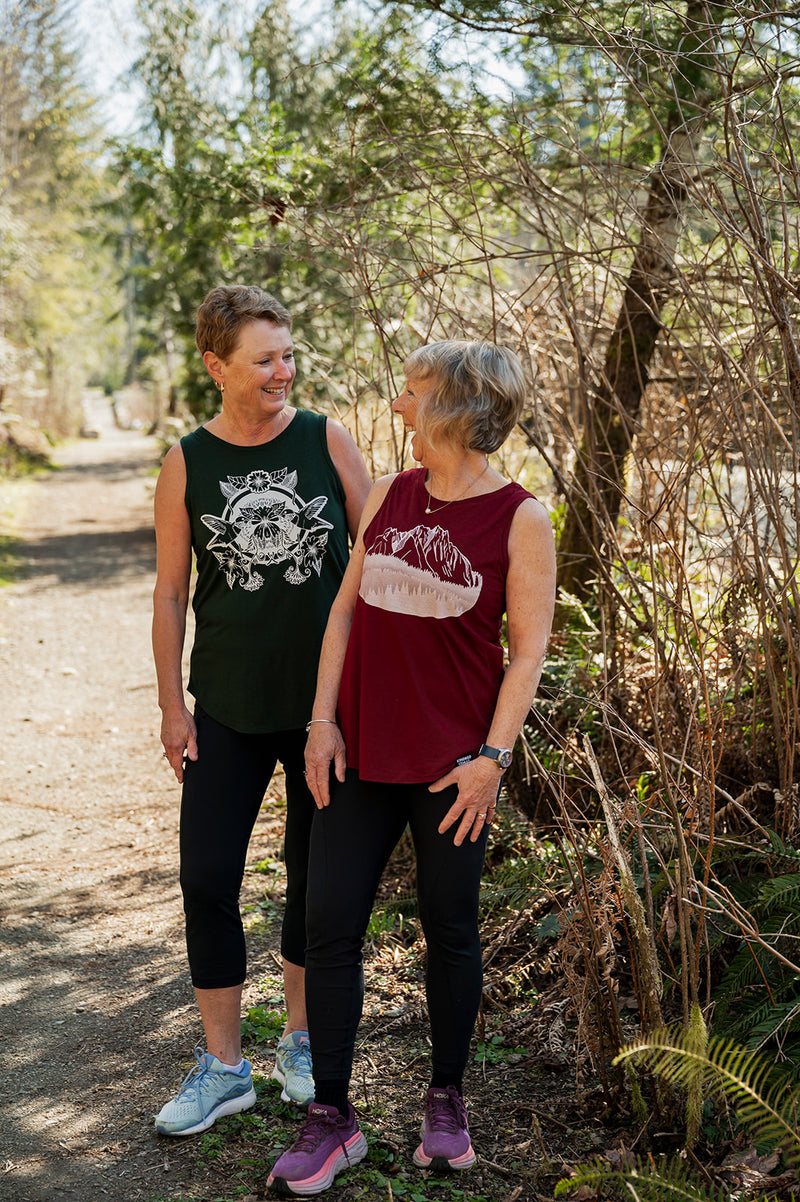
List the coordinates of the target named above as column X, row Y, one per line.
column 222, row 794
column 351, row 841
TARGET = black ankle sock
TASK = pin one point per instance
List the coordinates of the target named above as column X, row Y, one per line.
column 332, row 1093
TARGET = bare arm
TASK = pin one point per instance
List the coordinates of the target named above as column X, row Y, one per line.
column 325, row 743
column 530, row 599
column 348, row 461
column 170, row 600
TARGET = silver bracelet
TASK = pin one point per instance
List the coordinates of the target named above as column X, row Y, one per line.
column 330, row 722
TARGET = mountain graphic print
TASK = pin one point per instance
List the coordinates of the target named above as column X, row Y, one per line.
column 419, row 572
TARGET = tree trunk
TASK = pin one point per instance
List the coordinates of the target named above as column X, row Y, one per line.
column 598, row 486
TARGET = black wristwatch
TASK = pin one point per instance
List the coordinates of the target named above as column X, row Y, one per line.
column 501, row 754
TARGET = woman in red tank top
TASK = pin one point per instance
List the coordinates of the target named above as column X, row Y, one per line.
column 413, row 722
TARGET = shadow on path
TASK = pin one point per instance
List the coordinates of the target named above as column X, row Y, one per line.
column 100, row 559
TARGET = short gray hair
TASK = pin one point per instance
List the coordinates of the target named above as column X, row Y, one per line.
column 226, row 309
column 478, row 392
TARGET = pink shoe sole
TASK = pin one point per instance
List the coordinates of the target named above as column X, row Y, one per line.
column 440, row 1163
column 337, row 1162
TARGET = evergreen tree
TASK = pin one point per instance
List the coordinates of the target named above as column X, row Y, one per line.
column 50, row 190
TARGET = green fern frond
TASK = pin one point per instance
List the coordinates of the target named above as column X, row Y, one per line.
column 777, row 856
column 646, row 1181
column 764, row 895
column 783, row 850
column 751, row 965
column 753, row 1011
column 741, row 973
column 512, row 897
column 780, row 1017
column 781, row 891
column 757, row 988
column 766, row 1107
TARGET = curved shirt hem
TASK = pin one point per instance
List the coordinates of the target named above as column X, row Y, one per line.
column 242, row 729
column 415, row 777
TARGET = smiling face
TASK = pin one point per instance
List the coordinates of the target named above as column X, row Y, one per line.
column 260, row 371
column 406, row 405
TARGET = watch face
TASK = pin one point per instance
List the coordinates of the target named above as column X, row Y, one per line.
column 504, row 759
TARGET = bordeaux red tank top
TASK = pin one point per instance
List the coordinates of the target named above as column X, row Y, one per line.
column 424, row 661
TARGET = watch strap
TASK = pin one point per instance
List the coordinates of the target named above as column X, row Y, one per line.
column 501, row 755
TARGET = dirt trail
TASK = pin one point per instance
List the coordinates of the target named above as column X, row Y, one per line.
column 97, row 1015
column 96, row 1009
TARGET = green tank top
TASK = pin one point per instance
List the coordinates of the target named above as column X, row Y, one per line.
column 269, row 532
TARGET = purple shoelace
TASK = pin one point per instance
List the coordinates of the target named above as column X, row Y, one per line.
column 317, row 1127
column 446, row 1112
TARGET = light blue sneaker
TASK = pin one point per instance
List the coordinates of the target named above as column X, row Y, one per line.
column 293, row 1068
column 207, row 1093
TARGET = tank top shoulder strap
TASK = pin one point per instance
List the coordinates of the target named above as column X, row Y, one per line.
column 305, row 423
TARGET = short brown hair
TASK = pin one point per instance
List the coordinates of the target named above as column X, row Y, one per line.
column 478, row 392
column 226, row 309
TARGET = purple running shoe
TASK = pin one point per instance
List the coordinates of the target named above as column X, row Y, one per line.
column 445, row 1134
column 329, row 1143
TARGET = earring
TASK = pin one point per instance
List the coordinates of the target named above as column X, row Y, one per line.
column 221, row 385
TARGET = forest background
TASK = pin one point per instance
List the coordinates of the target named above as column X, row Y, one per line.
column 613, row 191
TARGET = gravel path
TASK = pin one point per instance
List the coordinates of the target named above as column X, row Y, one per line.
column 96, row 1010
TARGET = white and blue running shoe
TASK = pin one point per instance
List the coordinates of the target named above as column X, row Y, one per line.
column 207, row 1093
column 293, row 1068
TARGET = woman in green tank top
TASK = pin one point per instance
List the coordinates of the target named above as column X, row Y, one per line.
column 265, row 496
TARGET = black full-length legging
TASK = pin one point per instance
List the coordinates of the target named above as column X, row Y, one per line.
column 222, row 794
column 351, row 841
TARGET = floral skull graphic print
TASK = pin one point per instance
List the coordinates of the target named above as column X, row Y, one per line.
column 265, row 522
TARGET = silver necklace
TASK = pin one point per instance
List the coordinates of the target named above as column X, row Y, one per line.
column 458, row 498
